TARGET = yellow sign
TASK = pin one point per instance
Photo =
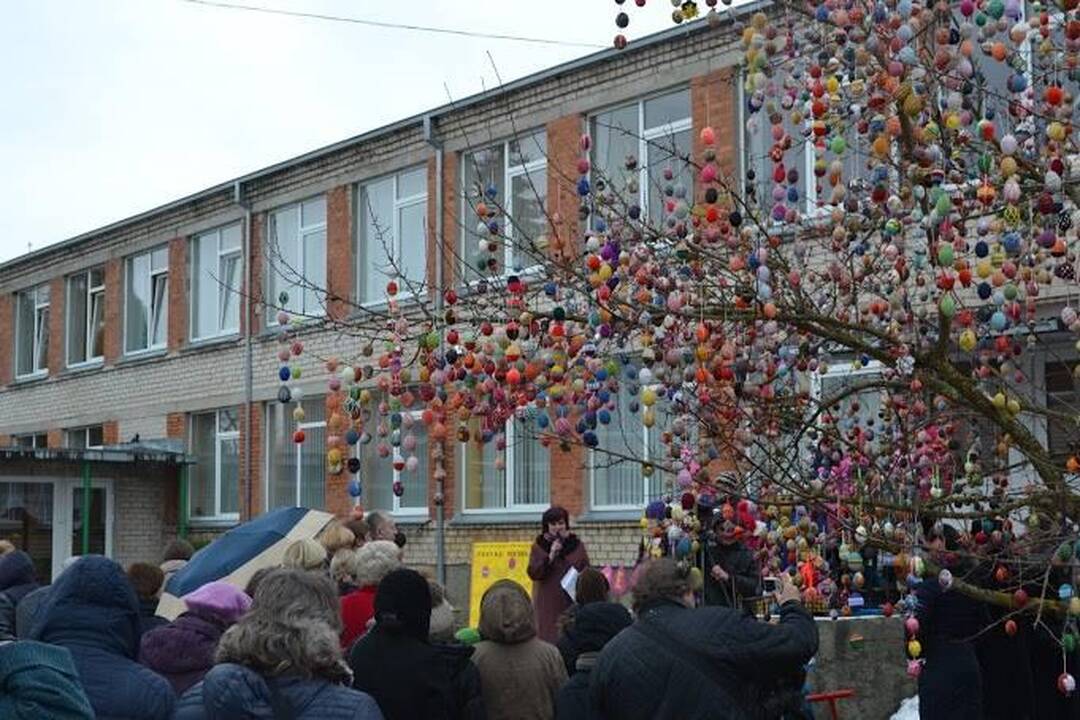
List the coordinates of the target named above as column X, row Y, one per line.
column 492, row 561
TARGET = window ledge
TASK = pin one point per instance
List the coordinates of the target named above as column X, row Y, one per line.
column 37, row 377
column 509, row 517
column 411, row 520
column 212, row 523
column 595, row 516
column 95, row 364
column 141, row 357
column 211, row 343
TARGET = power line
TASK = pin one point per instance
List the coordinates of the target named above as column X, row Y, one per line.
column 393, row 26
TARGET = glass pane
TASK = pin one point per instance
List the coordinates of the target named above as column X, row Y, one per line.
column 95, row 436
column 529, row 148
column 667, row 109
column 413, row 182
column 412, row 262
column 314, row 212
column 669, row 153
column 24, row 441
column 41, row 346
column 528, row 221
column 284, row 253
column 205, row 281
column 97, row 324
column 532, row 468
column 138, row 302
column 231, row 238
column 160, row 309
column 202, row 476
column 97, row 278
column 377, row 208
column 759, row 144
column 96, row 536
column 41, row 440
column 314, row 272
column 615, row 137
column 376, row 475
column 24, row 362
column 281, row 468
column 76, row 319
column 227, row 421
column 483, row 175
column 485, row 485
column 230, row 475
column 26, row 519
column 313, row 463
column 618, row 481
column 159, row 259
column 229, row 293
column 416, row 482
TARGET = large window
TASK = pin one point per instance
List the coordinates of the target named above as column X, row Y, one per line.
column 86, row 317
column 393, row 244
column 625, row 447
column 378, row 474
column 85, row 438
column 215, row 480
column 635, row 146
column 296, row 472
column 32, row 332
column 32, row 440
column 517, row 478
column 1062, row 438
column 507, row 184
column 215, row 282
column 297, row 254
column 147, row 308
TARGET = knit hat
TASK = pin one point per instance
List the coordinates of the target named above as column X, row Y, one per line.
column 220, row 600
column 596, row 623
column 403, row 603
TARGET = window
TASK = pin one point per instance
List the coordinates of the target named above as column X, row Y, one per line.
column 512, row 232
column 147, row 307
column 296, row 472
column 85, row 438
column 215, row 282
column 857, row 412
column 86, row 317
column 618, row 483
column 32, row 332
column 1062, row 397
column 377, row 471
column 214, row 490
column 635, row 146
column 515, row 478
column 32, row 440
column 298, row 257
column 393, row 243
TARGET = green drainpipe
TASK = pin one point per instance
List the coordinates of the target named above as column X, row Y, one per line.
column 86, row 508
column 182, row 505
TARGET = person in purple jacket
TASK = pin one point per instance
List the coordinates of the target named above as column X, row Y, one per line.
column 183, row 650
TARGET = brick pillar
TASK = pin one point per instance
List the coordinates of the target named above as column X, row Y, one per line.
column 57, row 318
column 336, row 498
column 451, row 207
column 114, row 310
column 176, row 426
column 178, row 294
column 568, row 478
column 252, row 317
column 55, row 439
column 110, row 432
column 6, row 441
column 251, row 431
column 339, row 255
column 7, row 339
column 450, row 484
column 564, row 150
column 713, row 104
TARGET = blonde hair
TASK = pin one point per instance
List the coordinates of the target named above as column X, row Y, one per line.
column 342, row 565
column 6, row 546
column 304, row 554
column 371, row 563
column 335, row 536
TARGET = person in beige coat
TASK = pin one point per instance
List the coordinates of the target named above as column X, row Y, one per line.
column 519, row 673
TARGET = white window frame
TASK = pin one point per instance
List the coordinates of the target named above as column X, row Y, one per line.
column 511, row 430
column 297, row 448
column 647, row 135
column 874, row 367
column 219, row 437
column 398, row 510
column 645, row 457
column 151, row 346
column 303, row 232
column 33, row 437
column 400, row 203
column 87, row 319
column 70, row 434
column 220, row 291
column 39, row 361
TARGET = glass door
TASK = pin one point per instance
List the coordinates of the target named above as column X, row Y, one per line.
column 93, row 538
column 26, row 520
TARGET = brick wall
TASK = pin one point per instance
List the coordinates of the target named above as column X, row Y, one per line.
column 56, row 359
column 451, row 174
column 251, row 321
column 251, row 430
column 179, row 294
column 140, row 528
column 110, row 432
column 7, row 338
column 563, row 138
column 176, row 426
column 713, row 104
column 568, row 478
column 339, row 255
column 114, row 310
column 55, row 438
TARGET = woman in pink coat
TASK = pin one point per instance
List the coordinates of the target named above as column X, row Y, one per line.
column 555, row 551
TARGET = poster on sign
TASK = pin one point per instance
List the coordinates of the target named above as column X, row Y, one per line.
column 492, row 561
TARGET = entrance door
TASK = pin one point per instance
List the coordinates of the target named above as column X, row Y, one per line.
column 96, row 537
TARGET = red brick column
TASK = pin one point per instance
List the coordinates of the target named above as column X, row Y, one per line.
column 339, row 255
column 57, row 321
column 564, row 150
column 7, row 339
column 176, row 426
column 6, row 441
column 178, row 294
column 568, row 478
column 251, row 431
column 55, row 438
column 713, row 103
column 114, row 310
column 110, row 432
column 253, row 296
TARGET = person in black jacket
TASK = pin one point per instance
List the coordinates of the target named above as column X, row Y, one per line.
column 464, row 676
column 712, row 662
column 16, row 582
column 731, row 575
column 594, row 625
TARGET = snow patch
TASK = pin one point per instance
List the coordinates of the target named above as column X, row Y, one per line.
column 909, row 710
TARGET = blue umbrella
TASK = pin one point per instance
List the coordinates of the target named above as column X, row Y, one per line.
column 241, row 552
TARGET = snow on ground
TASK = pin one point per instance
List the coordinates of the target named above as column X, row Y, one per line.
column 909, row 710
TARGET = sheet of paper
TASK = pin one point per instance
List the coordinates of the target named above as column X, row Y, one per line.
column 569, row 582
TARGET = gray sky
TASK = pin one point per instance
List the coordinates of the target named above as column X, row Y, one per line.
column 112, row 107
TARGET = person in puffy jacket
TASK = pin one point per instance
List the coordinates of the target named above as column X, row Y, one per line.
column 17, row 580
column 456, row 656
column 282, row 659
column 39, row 681
column 183, row 651
column 686, row 663
column 594, row 625
column 519, row 673
column 364, row 569
column 93, row 612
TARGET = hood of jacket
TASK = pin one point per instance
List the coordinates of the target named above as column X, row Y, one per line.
column 187, row 644
column 234, row 691
column 596, row 623
column 16, row 568
column 92, row 604
column 455, row 656
column 506, row 614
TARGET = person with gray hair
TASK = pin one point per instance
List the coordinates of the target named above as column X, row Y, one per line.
column 365, row 569
column 381, row 526
column 282, row 659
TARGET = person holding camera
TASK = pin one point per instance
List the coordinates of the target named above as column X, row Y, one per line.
column 731, row 575
column 554, row 553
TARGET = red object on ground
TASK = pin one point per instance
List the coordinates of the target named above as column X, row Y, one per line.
column 831, row 698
